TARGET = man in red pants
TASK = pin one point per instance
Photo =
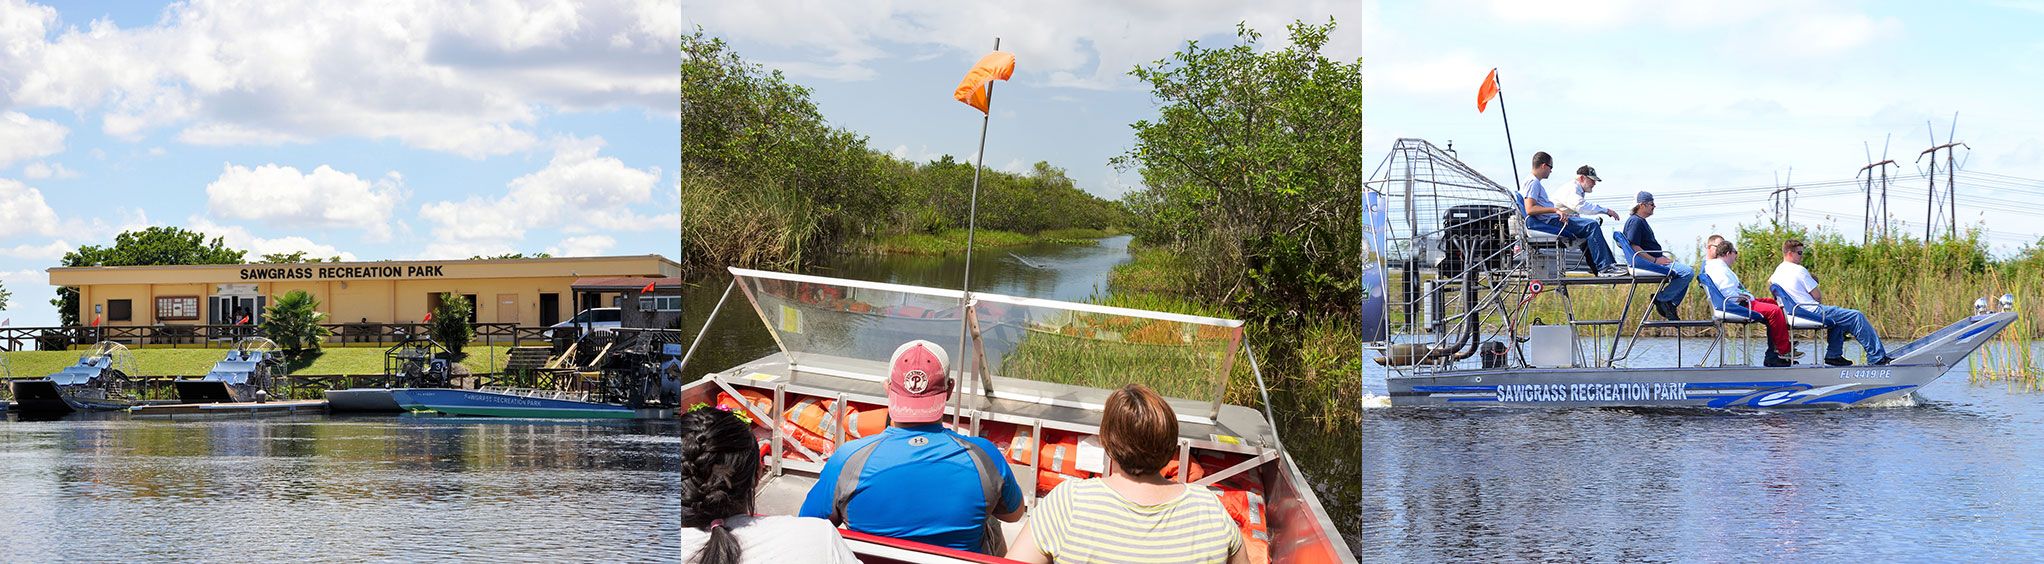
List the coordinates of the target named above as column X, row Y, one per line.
column 1738, row 301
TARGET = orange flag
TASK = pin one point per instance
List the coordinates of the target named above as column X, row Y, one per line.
column 648, row 289
column 1488, row 90
column 428, row 319
column 972, row 90
column 95, row 321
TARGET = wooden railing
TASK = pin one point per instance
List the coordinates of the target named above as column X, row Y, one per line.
column 202, row 336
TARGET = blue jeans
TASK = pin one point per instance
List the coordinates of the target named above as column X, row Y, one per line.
column 1678, row 287
column 1585, row 229
column 1841, row 321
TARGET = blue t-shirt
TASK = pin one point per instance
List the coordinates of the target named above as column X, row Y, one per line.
column 918, row 485
column 1538, row 193
column 1641, row 235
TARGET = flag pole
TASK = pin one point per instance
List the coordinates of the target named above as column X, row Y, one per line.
column 971, row 228
column 1516, row 183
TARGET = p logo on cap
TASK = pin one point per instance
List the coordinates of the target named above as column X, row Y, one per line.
column 917, row 384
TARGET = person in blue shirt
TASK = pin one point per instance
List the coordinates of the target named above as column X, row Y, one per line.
column 1646, row 254
column 1542, row 215
column 919, row 481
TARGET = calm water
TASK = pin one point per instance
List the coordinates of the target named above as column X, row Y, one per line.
column 1958, row 477
column 337, row 489
column 1060, row 272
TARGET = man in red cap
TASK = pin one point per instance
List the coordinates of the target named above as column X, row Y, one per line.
column 918, row 480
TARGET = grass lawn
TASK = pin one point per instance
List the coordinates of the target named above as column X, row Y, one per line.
column 195, row 362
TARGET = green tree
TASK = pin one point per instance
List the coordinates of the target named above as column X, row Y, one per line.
column 3, row 297
column 450, row 323
column 147, row 247
column 293, row 322
column 1253, row 170
column 512, row 256
column 293, row 257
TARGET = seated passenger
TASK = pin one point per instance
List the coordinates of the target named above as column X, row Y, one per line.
column 1133, row 513
column 1738, row 301
column 1543, row 215
column 719, row 468
column 1647, row 255
column 919, row 481
column 1805, row 301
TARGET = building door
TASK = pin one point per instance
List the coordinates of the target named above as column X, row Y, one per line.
column 549, row 309
column 507, row 308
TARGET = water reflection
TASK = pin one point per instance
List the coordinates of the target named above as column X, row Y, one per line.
column 376, row 488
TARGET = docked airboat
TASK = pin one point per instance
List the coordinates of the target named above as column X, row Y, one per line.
column 1450, row 275
column 1032, row 378
column 245, row 374
column 416, row 362
column 636, row 376
column 101, row 380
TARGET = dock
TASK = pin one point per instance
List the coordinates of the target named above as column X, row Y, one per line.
column 235, row 409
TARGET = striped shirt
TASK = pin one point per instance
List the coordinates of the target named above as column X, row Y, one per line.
column 1085, row 521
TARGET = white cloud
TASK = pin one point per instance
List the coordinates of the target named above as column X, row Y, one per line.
column 578, row 192
column 49, row 252
column 40, row 170
column 468, row 79
column 23, row 137
column 456, row 250
column 583, row 246
column 30, row 306
column 239, row 237
column 1067, row 43
column 324, row 198
column 23, row 211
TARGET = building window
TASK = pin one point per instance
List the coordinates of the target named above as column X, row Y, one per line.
column 660, row 303
column 177, row 308
column 120, row 310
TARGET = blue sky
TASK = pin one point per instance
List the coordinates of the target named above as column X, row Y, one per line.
column 402, row 130
column 887, row 69
column 1690, row 98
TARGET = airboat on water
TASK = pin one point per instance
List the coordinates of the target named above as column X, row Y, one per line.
column 1032, row 379
column 1450, row 275
column 416, row 362
column 101, row 380
column 245, row 374
column 638, row 378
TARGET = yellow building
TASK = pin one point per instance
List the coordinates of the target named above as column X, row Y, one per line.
column 526, row 292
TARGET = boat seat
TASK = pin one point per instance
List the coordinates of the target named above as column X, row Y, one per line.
column 1801, row 317
column 1719, row 317
column 1620, row 243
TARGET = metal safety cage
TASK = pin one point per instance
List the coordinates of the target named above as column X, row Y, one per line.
column 1446, row 236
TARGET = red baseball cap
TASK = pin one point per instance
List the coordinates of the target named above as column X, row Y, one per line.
column 917, row 385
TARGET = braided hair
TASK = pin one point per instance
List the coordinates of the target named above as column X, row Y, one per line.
column 719, row 468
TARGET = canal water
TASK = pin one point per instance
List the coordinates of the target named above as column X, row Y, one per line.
column 320, row 488
column 1059, row 272
column 1956, row 477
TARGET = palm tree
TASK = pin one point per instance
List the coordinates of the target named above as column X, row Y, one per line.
column 293, row 322
column 450, row 324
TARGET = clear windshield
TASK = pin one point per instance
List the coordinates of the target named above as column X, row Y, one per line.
column 1034, row 349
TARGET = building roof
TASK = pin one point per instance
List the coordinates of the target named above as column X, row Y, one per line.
column 626, row 283
column 634, row 265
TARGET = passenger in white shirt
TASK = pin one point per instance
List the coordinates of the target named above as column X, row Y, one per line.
column 1738, row 301
column 1801, row 297
column 1586, row 182
column 719, row 471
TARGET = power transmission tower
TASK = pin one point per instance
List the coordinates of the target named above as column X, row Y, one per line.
column 1951, row 193
column 1781, row 198
column 1876, row 211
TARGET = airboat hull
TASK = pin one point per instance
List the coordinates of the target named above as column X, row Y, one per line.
column 1738, row 387
column 362, row 400
column 498, row 404
column 209, row 391
column 46, row 397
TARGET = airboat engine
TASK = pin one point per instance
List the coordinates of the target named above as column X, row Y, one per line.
column 100, row 380
column 250, row 366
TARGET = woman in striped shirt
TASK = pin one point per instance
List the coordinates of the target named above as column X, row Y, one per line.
column 1132, row 514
